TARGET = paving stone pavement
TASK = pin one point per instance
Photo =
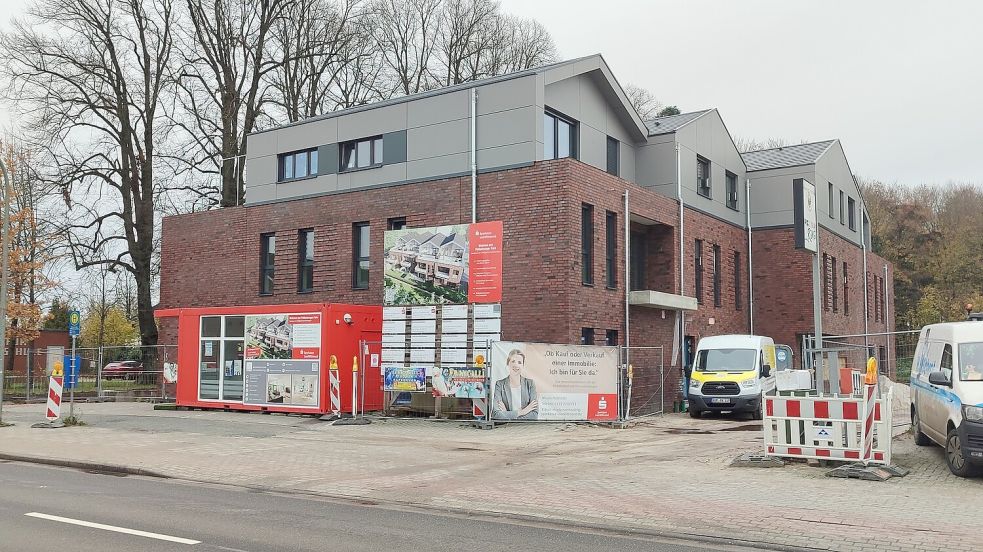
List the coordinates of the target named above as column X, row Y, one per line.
column 666, row 473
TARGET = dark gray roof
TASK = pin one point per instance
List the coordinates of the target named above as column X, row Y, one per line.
column 786, row 156
column 670, row 123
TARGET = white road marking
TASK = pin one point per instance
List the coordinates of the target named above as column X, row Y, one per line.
column 104, row 527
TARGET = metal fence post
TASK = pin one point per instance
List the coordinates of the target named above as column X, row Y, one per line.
column 27, row 388
column 99, row 374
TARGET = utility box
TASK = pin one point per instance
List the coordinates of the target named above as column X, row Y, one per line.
column 278, row 358
column 793, row 380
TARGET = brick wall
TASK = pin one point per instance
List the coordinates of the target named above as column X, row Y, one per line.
column 212, row 258
column 783, row 288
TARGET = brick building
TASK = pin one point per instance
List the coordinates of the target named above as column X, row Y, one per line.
column 565, row 162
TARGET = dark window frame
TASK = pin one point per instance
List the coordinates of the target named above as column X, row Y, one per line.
column 704, row 186
column 732, row 197
column 396, row 223
column 555, row 118
column 613, row 157
column 827, row 302
column 358, row 259
column 310, row 157
column 587, row 244
column 834, row 284
column 611, row 249
column 846, row 289
column 842, row 207
column 586, row 336
column 305, row 265
column 716, row 275
column 830, row 200
column 611, row 338
column 267, row 263
column 698, row 271
column 375, row 158
column 851, row 213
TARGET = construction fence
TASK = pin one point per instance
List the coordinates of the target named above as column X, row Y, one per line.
column 108, row 373
column 447, row 390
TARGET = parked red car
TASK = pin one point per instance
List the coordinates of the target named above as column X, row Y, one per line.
column 124, row 369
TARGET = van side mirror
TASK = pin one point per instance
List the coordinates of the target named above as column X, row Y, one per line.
column 766, row 370
column 938, row 378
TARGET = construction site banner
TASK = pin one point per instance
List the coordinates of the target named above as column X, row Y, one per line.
column 454, row 264
column 540, row 381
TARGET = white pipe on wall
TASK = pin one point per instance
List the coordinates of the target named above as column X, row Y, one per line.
column 627, row 277
column 474, row 155
column 682, row 258
column 750, row 263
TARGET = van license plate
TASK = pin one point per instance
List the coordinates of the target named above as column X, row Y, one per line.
column 720, row 401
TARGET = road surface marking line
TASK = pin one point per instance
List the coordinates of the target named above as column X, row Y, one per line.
column 136, row 532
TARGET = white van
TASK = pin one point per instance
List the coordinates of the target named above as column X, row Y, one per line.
column 731, row 371
column 947, row 393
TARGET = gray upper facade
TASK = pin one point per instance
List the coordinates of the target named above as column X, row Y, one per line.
column 824, row 164
column 520, row 119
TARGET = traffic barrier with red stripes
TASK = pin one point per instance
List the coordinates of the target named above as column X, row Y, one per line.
column 55, row 385
column 335, row 392
column 836, row 428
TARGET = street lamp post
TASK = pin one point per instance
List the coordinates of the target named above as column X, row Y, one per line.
column 4, row 267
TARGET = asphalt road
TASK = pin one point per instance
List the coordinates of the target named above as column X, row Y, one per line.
column 45, row 508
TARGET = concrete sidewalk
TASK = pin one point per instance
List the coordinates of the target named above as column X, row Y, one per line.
column 667, row 474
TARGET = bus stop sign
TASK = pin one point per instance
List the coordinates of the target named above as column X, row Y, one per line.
column 74, row 323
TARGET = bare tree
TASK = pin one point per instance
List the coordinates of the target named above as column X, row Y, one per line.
column 315, row 43
column 466, row 28
column 226, row 60
column 406, row 32
column 91, row 78
column 644, row 102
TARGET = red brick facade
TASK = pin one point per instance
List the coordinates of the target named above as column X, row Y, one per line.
column 212, row 258
column 783, row 288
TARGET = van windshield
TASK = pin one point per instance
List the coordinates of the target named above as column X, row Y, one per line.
column 971, row 361
column 726, row 360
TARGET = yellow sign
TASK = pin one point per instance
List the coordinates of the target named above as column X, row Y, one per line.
column 74, row 318
column 354, row 364
column 333, row 363
column 770, row 360
column 58, row 370
column 631, row 371
column 871, row 377
column 479, row 360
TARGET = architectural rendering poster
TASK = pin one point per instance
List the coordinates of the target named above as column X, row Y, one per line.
column 444, row 264
column 284, row 336
column 539, row 381
column 282, row 359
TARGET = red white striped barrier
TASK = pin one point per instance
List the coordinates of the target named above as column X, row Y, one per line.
column 870, row 411
column 837, row 428
column 54, row 398
column 479, row 407
column 335, row 392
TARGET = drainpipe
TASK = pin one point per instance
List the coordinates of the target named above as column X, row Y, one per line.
column 627, row 278
column 750, row 263
column 863, row 249
column 682, row 262
column 474, row 155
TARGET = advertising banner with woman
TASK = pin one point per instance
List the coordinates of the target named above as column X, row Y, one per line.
column 540, row 381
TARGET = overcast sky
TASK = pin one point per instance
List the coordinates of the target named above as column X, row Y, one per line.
column 899, row 82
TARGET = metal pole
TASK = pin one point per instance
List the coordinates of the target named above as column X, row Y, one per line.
column 474, row 155
column 74, row 377
column 5, row 251
column 887, row 327
column 750, row 263
column 99, row 374
column 627, row 278
column 682, row 274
